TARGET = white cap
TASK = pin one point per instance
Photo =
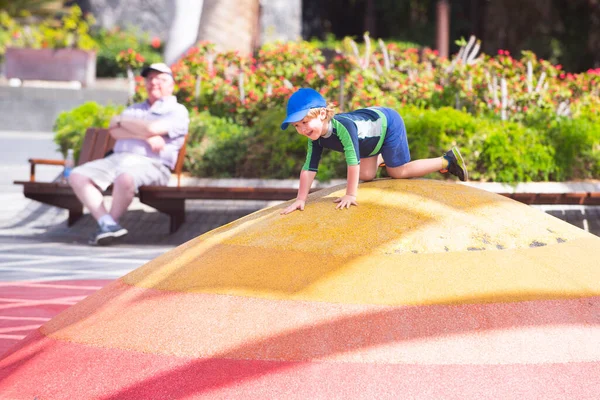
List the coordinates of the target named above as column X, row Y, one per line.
column 160, row 67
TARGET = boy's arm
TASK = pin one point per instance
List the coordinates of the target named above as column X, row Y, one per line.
column 349, row 198
column 306, row 180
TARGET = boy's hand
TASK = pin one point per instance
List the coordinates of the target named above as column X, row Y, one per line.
column 296, row 205
column 345, row 202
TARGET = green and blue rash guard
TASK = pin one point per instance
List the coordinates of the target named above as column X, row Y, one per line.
column 357, row 134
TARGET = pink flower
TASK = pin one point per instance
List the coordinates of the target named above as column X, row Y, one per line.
column 155, row 42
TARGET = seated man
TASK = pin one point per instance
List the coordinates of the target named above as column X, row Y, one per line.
column 148, row 138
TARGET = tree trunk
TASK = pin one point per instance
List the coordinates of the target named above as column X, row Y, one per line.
column 184, row 29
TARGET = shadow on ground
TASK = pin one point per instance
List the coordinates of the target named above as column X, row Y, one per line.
column 46, row 223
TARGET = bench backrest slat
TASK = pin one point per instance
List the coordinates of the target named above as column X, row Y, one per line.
column 96, row 144
column 180, row 159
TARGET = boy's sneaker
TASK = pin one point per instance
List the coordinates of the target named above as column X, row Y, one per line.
column 456, row 164
column 106, row 234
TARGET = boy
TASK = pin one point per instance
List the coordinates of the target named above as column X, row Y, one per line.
column 364, row 136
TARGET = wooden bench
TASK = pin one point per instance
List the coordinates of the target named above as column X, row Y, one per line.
column 167, row 199
column 171, row 199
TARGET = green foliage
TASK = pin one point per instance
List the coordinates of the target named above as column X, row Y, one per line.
column 273, row 153
column 114, row 41
column 65, row 30
column 493, row 150
column 514, row 153
column 577, row 144
column 216, row 146
column 70, row 126
column 430, row 132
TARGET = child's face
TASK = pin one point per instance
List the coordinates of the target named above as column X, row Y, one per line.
column 313, row 128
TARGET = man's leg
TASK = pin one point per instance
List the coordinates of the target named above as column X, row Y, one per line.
column 88, row 194
column 122, row 195
column 91, row 197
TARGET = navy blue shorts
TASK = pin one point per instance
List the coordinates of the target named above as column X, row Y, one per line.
column 395, row 145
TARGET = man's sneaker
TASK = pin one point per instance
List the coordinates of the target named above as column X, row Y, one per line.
column 107, row 233
column 456, row 164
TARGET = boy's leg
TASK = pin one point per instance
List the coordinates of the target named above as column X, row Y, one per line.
column 416, row 168
column 396, row 154
column 451, row 161
column 368, row 168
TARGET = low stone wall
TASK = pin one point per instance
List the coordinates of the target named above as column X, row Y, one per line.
column 36, row 108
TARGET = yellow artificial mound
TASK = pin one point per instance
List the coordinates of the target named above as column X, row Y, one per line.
column 408, row 242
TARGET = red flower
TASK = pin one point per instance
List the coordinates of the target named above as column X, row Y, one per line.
column 155, row 42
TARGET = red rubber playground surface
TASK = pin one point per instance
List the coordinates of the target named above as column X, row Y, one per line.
column 24, row 306
column 504, row 308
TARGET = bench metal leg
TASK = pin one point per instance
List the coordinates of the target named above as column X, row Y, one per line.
column 175, row 208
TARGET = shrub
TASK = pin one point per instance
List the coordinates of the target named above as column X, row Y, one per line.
column 512, row 152
column 70, row 126
column 577, row 148
column 216, row 146
column 493, row 150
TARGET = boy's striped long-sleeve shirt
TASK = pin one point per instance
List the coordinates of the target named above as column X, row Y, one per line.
column 357, row 134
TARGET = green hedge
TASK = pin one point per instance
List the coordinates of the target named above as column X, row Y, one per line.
column 494, row 150
column 216, row 146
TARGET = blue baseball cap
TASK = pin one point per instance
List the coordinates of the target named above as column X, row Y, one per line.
column 300, row 103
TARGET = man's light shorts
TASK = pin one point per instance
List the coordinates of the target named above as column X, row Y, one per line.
column 144, row 170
